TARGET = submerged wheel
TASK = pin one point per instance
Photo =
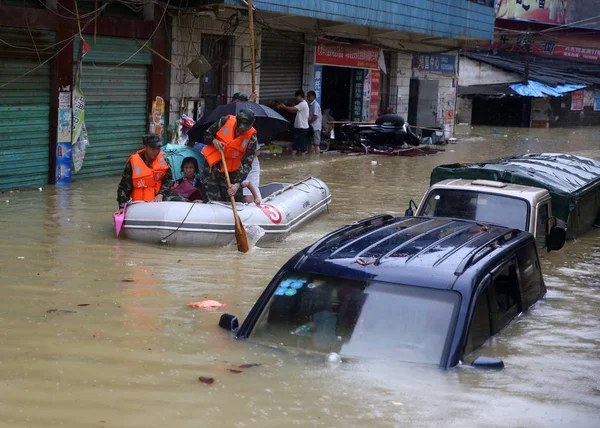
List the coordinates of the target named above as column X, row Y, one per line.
column 324, row 146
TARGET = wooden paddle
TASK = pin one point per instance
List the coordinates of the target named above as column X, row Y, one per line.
column 240, row 232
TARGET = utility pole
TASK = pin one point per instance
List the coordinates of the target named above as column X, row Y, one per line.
column 527, row 45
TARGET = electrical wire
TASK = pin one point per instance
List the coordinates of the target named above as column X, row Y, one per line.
column 146, row 42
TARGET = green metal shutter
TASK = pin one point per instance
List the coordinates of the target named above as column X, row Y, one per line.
column 24, row 107
column 282, row 62
column 116, row 113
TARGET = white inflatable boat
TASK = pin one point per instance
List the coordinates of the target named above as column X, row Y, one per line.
column 284, row 208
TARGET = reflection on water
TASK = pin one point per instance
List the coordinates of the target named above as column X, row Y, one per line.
column 123, row 350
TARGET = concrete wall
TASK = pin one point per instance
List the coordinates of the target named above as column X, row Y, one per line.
column 478, row 73
column 400, row 72
column 446, row 107
column 186, row 46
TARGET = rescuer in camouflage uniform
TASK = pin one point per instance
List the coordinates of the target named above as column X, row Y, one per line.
column 215, row 184
column 126, row 185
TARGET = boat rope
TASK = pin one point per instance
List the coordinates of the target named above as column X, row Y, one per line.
column 164, row 240
column 323, row 191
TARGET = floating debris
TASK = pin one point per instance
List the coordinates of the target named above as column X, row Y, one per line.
column 207, row 380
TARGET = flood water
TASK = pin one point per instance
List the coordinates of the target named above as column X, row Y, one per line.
column 133, row 355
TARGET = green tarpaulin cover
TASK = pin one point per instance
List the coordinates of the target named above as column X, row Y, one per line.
column 568, row 178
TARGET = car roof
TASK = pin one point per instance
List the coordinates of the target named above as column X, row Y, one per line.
column 419, row 251
column 495, row 187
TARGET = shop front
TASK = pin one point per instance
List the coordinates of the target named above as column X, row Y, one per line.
column 348, row 80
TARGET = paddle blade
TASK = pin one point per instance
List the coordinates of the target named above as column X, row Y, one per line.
column 241, row 238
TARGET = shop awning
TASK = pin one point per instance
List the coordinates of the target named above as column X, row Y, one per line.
column 546, row 71
column 537, row 89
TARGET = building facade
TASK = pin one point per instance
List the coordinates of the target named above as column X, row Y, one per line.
column 542, row 70
column 39, row 47
column 361, row 61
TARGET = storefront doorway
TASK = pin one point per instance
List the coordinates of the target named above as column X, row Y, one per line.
column 423, row 103
column 336, row 91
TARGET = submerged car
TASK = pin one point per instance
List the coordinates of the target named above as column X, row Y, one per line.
column 414, row 289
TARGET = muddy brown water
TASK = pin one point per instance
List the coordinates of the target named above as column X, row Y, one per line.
column 132, row 357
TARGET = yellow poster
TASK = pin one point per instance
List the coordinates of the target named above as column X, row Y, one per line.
column 157, row 124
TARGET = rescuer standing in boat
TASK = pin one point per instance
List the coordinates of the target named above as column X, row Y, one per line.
column 147, row 176
column 237, row 138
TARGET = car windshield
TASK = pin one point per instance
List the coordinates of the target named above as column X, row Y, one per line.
column 483, row 207
column 359, row 319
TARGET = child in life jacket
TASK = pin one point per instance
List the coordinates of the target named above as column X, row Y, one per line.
column 190, row 186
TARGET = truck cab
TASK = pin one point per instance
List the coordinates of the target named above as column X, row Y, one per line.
column 494, row 202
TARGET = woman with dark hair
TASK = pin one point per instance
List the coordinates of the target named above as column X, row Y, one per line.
column 190, row 185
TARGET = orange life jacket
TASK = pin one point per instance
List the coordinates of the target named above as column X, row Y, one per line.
column 147, row 180
column 235, row 147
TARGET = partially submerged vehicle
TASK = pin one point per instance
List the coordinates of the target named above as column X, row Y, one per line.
column 285, row 207
column 540, row 193
column 412, row 289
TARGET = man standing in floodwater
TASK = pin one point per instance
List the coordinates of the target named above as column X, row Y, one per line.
column 300, row 123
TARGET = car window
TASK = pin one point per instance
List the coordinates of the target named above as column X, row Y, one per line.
column 484, row 207
column 541, row 229
column 505, row 296
column 359, row 318
column 532, row 285
column 480, row 329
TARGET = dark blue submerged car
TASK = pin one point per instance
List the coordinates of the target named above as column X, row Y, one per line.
column 414, row 289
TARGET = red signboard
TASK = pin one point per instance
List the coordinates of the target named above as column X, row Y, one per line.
column 347, row 55
column 572, row 47
column 374, row 103
column 548, row 11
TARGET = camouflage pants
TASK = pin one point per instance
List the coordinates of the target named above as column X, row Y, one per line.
column 172, row 196
column 215, row 186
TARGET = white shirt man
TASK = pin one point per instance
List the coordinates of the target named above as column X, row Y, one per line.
column 300, row 123
column 316, row 122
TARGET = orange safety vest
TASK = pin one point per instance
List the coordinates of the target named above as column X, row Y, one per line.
column 235, row 147
column 147, row 180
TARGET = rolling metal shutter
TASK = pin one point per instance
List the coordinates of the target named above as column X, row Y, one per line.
column 281, row 66
column 116, row 100
column 24, row 107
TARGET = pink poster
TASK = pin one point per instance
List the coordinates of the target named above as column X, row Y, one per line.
column 577, row 100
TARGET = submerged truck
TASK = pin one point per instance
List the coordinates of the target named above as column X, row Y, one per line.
column 554, row 196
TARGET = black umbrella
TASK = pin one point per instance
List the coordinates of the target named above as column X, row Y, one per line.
column 268, row 121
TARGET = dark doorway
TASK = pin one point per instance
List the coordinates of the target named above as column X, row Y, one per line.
column 336, row 91
column 413, row 101
column 214, row 87
column 506, row 111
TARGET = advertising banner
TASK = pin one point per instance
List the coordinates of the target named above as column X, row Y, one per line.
column 318, row 82
column 79, row 136
column 357, row 95
column 547, row 11
column 341, row 55
column 374, row 102
column 572, row 47
column 577, row 100
column 597, row 100
column 64, row 162
column 157, row 126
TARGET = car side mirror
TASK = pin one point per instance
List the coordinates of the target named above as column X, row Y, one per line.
column 410, row 212
column 488, row 363
column 229, row 322
column 557, row 237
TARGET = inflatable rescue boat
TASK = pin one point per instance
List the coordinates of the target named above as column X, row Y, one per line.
column 284, row 208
